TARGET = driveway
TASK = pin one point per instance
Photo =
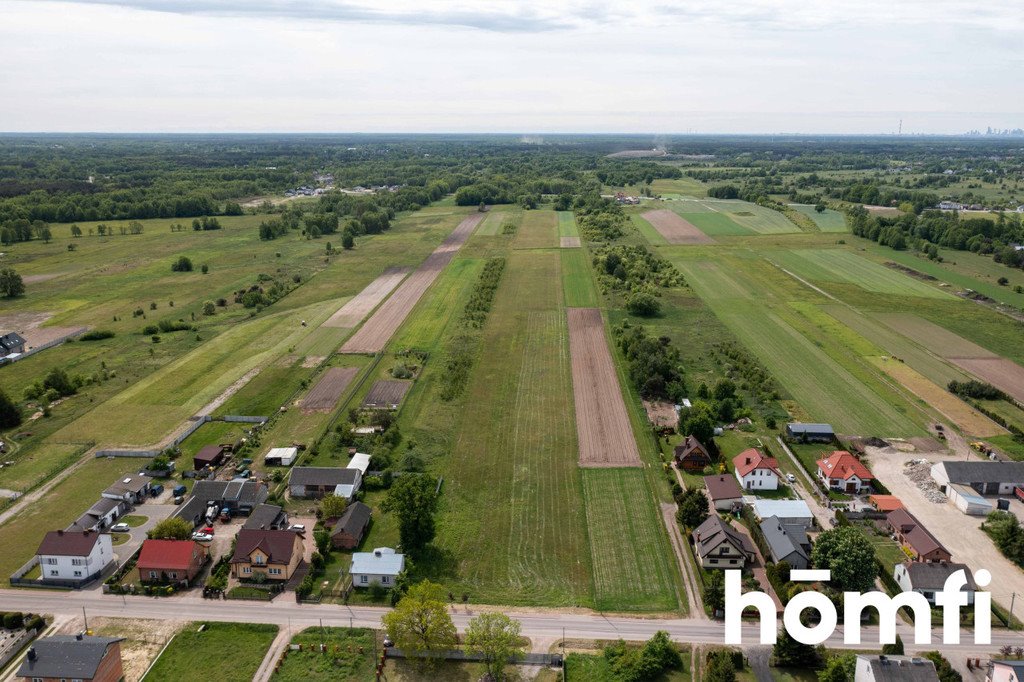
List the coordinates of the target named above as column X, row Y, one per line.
column 154, row 513
column 960, row 533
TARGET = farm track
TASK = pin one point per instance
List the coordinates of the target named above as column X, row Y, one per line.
column 602, row 423
column 375, row 333
column 360, row 305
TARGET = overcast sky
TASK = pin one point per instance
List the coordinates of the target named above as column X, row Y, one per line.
column 761, row 66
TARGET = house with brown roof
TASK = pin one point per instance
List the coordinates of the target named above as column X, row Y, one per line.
column 79, row 658
column 349, row 529
column 719, row 545
column 915, row 537
column 723, row 492
column 210, row 456
column 691, row 455
column 272, row 553
column 74, row 558
column 843, row 472
column 170, row 561
column 756, row 471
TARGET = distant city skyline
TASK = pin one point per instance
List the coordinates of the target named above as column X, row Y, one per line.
column 753, row 66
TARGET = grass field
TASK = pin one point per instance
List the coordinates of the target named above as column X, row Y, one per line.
column 567, row 224
column 801, row 366
column 537, row 230
column 512, row 513
column 839, row 265
column 342, row 660
column 493, row 223
column 828, row 221
column 682, row 186
column 938, row 340
column 223, row 651
column 735, row 217
column 577, row 279
column 624, row 525
column 716, row 224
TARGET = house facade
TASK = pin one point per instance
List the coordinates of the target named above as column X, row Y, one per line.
column 101, row 515
column 723, row 492
column 170, row 561
column 916, row 538
column 273, row 553
column 843, row 472
column 929, row 579
column 1005, row 671
column 379, row 567
column 691, row 455
column 74, row 558
column 11, row 343
column 755, row 471
column 71, row 658
column 719, row 545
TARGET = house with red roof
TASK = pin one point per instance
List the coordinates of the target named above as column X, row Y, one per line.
column 843, row 472
column 756, row 471
column 170, row 561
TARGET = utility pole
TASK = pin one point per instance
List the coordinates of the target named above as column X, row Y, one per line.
column 1013, row 598
column 86, row 620
column 563, row 653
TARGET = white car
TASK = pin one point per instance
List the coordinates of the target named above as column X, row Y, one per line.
column 202, row 537
column 297, row 528
column 120, row 528
column 791, row 478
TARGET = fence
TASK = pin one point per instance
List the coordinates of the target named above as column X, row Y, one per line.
column 472, row 656
column 48, row 344
column 50, row 583
column 197, row 422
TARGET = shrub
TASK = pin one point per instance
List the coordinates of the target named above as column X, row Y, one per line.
column 183, row 264
column 97, row 335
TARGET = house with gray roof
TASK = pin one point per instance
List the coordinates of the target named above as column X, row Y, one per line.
column 349, row 528
column 315, row 482
column 131, row 489
column 985, row 476
column 74, row 657
column 101, row 515
column 930, row 578
column 810, row 433
column 267, row 517
column 894, row 669
column 787, row 543
column 719, row 545
column 11, row 343
column 238, row 497
column 379, row 567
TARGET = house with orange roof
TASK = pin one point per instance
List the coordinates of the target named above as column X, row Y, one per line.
column 756, row 471
column 843, row 472
column 885, row 503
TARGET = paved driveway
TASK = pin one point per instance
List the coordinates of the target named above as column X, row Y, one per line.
column 155, row 513
column 960, row 533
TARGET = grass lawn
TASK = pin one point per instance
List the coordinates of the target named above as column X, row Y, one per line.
column 577, row 280
column 349, row 656
column 537, row 230
column 119, row 538
column 822, row 266
column 567, row 224
column 223, row 651
column 828, row 221
column 888, row 552
column 581, row 667
column 134, row 520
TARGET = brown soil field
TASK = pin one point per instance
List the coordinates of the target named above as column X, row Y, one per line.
column 1004, row 374
column 378, row 330
column 602, row 423
column 360, row 305
column 938, row 340
column 569, row 242
column 661, row 413
column 386, row 394
column 324, row 395
column 674, row 229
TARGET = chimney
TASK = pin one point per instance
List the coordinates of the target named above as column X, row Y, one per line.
column 60, row 532
column 32, row 654
column 79, row 636
column 376, row 552
column 748, row 461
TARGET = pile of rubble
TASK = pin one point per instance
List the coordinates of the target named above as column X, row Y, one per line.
column 920, row 472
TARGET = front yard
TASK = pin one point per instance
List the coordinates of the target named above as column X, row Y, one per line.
column 226, row 652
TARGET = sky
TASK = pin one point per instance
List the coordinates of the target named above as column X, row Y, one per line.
column 529, row 66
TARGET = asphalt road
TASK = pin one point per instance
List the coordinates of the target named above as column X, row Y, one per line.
column 535, row 623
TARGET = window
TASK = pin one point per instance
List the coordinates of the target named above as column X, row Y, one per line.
column 363, row 579
column 259, row 560
column 174, row 575
column 53, row 573
column 78, row 562
column 247, row 569
column 275, row 571
column 714, row 561
column 152, row 575
column 78, row 574
column 51, row 561
column 385, row 580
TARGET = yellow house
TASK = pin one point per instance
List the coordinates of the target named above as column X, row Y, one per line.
column 273, row 553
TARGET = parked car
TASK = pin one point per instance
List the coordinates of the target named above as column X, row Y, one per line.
column 297, row 528
column 178, row 499
column 791, row 478
column 156, row 490
column 207, row 531
column 202, row 537
column 179, row 491
column 120, row 528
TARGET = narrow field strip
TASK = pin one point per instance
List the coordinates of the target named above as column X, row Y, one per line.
column 375, row 333
column 829, row 220
column 537, row 230
column 633, row 567
column 674, row 229
column 567, row 224
column 602, row 423
column 938, row 340
column 1004, row 374
column 325, row 394
column 841, row 266
column 569, row 242
column 578, row 285
column 360, row 305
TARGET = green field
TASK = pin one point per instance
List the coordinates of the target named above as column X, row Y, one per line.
column 680, row 186
column 839, row 265
column 723, row 217
column 223, row 651
column 567, row 224
column 493, row 223
column 537, row 230
column 577, row 279
column 716, row 224
column 342, row 661
column 938, row 340
column 828, row 221
column 633, row 571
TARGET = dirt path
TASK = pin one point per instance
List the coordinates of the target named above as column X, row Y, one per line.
column 693, row 597
column 277, row 647
column 42, row 490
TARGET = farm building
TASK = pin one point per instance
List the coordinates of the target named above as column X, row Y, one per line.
column 11, row 343
column 238, row 497
column 968, row 500
column 274, row 554
column 360, row 461
column 282, row 457
column 379, row 567
column 882, row 668
column 915, row 537
column 315, row 482
column 787, row 543
column 755, row 471
column 349, row 528
column 267, row 517
column 170, row 561
column 74, row 657
column 210, row 456
column 719, row 545
column 724, row 492
column 690, row 455
column 73, row 559
column 788, row 512
column 131, row 489
column 844, row 472
column 986, row 477
column 101, row 515
column 810, row 433
column 885, row 503
column 915, row 576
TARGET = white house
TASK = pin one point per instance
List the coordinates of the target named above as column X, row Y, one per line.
column 74, row 556
column 755, row 471
column 843, row 472
column 379, row 567
column 882, row 668
column 929, row 578
column 1005, row 671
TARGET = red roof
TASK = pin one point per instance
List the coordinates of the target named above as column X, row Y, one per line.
column 752, row 459
column 167, row 554
column 886, row 503
column 842, row 465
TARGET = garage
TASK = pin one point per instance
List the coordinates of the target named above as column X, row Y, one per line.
column 967, row 500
